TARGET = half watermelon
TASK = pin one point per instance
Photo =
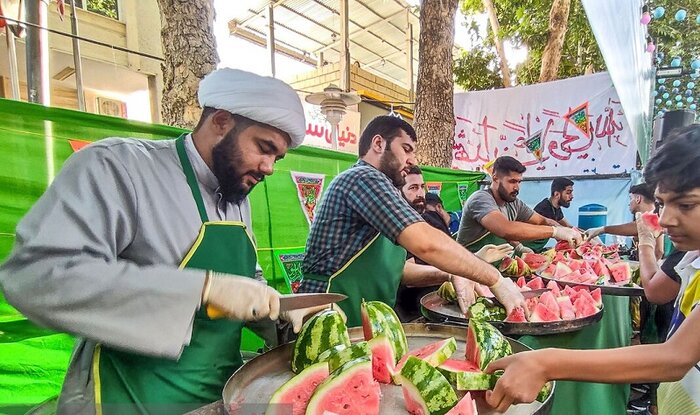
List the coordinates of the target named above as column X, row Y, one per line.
column 350, row 390
column 293, row 396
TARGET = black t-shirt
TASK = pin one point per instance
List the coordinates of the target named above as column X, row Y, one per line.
column 670, row 262
column 546, row 209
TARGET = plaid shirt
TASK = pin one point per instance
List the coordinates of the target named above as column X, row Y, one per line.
column 359, row 203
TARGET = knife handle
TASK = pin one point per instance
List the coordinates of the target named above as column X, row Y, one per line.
column 214, row 313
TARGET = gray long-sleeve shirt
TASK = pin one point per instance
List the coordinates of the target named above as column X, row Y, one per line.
column 97, row 255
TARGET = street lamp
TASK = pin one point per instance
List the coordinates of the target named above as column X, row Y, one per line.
column 333, row 102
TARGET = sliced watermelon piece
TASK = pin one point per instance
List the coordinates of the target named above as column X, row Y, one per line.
column 338, row 358
column 521, row 282
column 383, row 361
column 554, row 288
column 561, row 270
column 425, row 389
column 378, row 318
column 547, row 298
column 566, row 308
column 349, row 390
column 434, row 354
column 295, row 393
column 620, row 272
column 465, row 406
column 549, row 271
column 485, row 344
column 509, row 267
column 523, row 269
column 536, row 283
column 597, row 296
column 542, row 314
column 516, row 316
column 584, row 307
column 568, row 290
column 536, row 262
column 531, row 303
column 320, row 333
column 651, row 219
column 465, row 376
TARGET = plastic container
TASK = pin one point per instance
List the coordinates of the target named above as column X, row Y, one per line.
column 592, row 216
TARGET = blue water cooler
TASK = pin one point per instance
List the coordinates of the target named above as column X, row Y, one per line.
column 592, row 216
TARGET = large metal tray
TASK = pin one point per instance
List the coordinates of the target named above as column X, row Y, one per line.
column 252, row 385
column 438, row 310
column 615, row 290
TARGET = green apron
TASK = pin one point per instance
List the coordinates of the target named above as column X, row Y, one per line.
column 373, row 274
column 127, row 383
column 487, row 239
column 536, row 245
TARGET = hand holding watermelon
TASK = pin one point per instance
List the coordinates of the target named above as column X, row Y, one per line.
column 648, row 228
column 464, row 289
column 513, row 387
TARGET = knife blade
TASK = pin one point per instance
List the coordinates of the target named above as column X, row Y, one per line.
column 297, row 301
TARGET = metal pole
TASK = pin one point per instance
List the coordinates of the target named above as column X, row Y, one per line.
column 271, row 36
column 38, row 87
column 409, row 55
column 344, row 46
column 12, row 58
column 76, row 57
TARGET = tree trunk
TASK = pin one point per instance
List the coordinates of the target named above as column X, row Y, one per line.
column 189, row 48
column 495, row 28
column 434, row 113
column 558, row 20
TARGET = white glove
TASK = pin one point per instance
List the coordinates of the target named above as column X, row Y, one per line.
column 465, row 293
column 296, row 317
column 645, row 234
column 508, row 294
column 492, row 253
column 562, row 233
column 593, row 232
column 522, row 249
column 239, row 298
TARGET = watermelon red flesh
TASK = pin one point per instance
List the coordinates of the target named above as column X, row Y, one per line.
column 554, row 288
column 382, row 359
column 434, row 354
column 561, row 270
column 535, row 261
column 547, row 298
column 520, row 282
column 651, row 219
column 378, row 318
column 620, row 272
column 535, row 283
column 549, row 271
column 485, row 344
column 465, row 406
column 350, row 390
column 584, row 307
column 516, row 316
column 566, row 308
column 523, row 268
column 597, row 297
column 543, row 314
column 295, row 393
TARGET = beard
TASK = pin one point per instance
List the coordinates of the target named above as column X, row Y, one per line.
column 226, row 156
column 565, row 204
column 418, row 204
column 504, row 195
column 389, row 165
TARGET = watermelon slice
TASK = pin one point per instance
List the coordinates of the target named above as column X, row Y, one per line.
column 434, row 354
column 485, row 344
column 549, row 271
column 523, row 269
column 584, row 307
column 383, row 361
column 566, row 308
column 516, row 316
column 554, row 288
column 597, row 297
column 542, row 314
column 349, row 390
column 465, row 406
column 378, row 318
column 509, row 267
column 521, row 282
column 651, row 219
column 338, row 358
column 536, row 283
column 568, row 290
column 547, row 298
column 620, row 272
column 295, row 393
column 320, row 333
column 536, row 262
column 465, row 376
column 425, row 389
column 561, row 270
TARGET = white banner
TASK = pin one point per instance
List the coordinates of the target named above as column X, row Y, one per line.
column 319, row 132
column 583, row 129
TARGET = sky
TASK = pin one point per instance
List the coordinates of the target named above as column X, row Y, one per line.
column 235, row 52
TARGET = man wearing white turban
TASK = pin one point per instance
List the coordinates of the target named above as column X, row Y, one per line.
column 136, row 241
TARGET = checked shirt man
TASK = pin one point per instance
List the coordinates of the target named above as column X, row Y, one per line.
column 363, row 227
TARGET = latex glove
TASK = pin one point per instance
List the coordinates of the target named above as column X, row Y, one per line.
column 239, row 298
column 512, row 387
column 562, row 233
column 645, row 234
column 465, row 293
column 508, row 294
column 522, row 249
column 492, row 253
column 593, row 232
column 296, row 317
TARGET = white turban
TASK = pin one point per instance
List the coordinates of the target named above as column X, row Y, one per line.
column 261, row 98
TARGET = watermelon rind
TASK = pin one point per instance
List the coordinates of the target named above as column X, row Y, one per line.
column 378, row 318
column 323, row 357
column 340, row 357
column 427, row 385
column 320, row 333
column 490, row 342
column 295, row 393
column 443, row 351
column 467, row 380
column 340, row 376
column 465, row 406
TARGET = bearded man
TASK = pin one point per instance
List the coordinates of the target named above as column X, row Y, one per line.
column 363, row 227
column 496, row 215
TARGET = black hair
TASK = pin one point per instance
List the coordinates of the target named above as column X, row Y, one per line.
column 241, row 122
column 386, row 126
column 674, row 167
column 506, row 164
column 561, row 183
column 643, row 190
column 433, row 199
column 206, row 112
column 414, row 170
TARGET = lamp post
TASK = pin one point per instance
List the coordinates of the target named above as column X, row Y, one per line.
column 333, row 102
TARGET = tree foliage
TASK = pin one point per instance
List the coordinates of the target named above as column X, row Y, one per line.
column 525, row 23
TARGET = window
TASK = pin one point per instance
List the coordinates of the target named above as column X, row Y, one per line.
column 108, row 8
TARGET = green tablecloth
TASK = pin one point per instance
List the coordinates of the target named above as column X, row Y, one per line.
column 614, row 330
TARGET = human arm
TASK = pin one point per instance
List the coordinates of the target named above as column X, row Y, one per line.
column 625, row 229
column 417, row 275
column 663, row 362
column 537, row 219
column 565, row 223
